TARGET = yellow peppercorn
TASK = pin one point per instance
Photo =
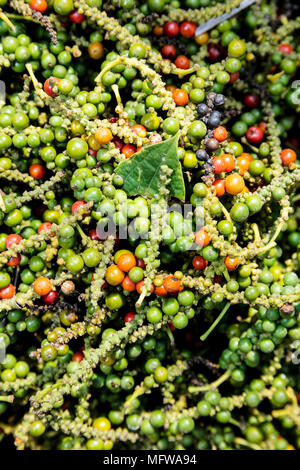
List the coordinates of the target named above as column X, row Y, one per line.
column 108, row 445
column 178, row 274
column 276, row 272
column 103, row 135
column 250, row 56
column 93, row 143
column 77, row 128
column 158, row 282
column 202, row 39
column 108, row 361
column 102, row 423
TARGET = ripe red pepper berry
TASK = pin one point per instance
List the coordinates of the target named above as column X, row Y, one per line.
column 251, row 101
column 254, row 135
column 76, row 17
column 168, row 51
column 51, row 297
column 49, row 85
column 171, row 29
column 188, row 29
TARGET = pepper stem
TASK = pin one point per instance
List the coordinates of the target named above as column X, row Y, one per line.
column 6, row 20
column 256, row 233
column 272, row 241
column 212, row 385
column 215, row 323
column 36, row 84
column 109, row 66
column 7, row 398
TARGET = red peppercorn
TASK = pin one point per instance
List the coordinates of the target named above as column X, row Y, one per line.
column 12, row 239
column 251, row 101
column 199, row 262
column 93, row 234
column 234, row 77
column 7, row 292
column 49, row 84
column 14, row 261
column 218, row 279
column 78, row 356
column 76, row 17
column 118, row 143
column 92, row 152
column 77, row 205
column 254, row 135
column 168, row 51
column 44, row 226
column 188, row 29
column 113, row 120
column 171, row 29
column 182, row 62
column 37, row 171
column 215, row 51
column 129, row 317
column 219, row 164
column 285, row 48
column 51, row 297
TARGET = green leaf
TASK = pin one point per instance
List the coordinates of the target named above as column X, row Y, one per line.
column 141, row 172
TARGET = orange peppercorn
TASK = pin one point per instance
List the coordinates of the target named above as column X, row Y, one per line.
column 104, row 135
column 139, row 286
column 231, row 263
column 128, row 150
column 202, row 39
column 202, row 237
column 39, row 5
column 42, row 285
column 172, row 284
column 139, row 130
column 126, row 262
column 78, row 356
column 244, row 161
column 161, row 291
column 220, row 133
column 158, row 31
column 180, row 97
column 219, row 187
column 234, row 184
column 37, row 171
column 171, row 88
column 128, row 284
column 288, row 156
column 228, row 162
column 96, row 50
column 113, row 275
column 44, row 226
